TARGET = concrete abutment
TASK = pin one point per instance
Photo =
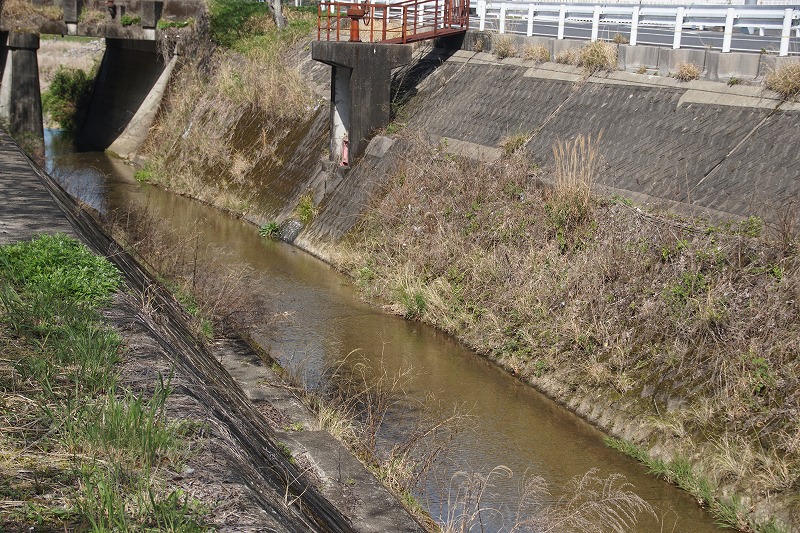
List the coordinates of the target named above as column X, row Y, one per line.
column 360, row 91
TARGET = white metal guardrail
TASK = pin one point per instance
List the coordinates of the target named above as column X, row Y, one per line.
column 507, row 17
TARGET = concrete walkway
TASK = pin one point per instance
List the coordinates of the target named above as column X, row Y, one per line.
column 26, row 208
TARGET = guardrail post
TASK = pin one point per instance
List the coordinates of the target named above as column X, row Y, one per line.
column 595, row 22
column 530, row 20
column 676, row 42
column 482, row 14
column 562, row 14
column 634, row 25
column 726, row 39
column 786, row 32
column 503, row 17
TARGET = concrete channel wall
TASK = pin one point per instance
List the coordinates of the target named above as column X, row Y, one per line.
column 701, row 148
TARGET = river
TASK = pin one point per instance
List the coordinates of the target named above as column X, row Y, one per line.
column 308, row 316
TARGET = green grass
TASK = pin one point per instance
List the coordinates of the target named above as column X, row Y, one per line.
column 727, row 512
column 305, row 211
column 93, row 450
column 270, row 230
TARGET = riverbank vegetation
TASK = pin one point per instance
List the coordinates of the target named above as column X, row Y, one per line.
column 687, row 330
column 243, row 81
column 78, row 450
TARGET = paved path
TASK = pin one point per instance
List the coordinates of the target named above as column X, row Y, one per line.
column 26, row 208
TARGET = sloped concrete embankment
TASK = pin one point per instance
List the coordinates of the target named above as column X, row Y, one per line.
column 699, row 148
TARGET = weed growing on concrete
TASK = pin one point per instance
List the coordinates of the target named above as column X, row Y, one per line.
column 130, row 20
column 598, row 56
column 569, row 56
column 687, row 72
column 305, row 210
column 18, row 13
column 536, row 52
column 620, row 39
column 270, row 230
column 359, row 398
column 784, row 79
column 511, row 144
column 504, row 47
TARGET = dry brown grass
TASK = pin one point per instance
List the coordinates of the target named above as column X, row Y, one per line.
column 687, row 72
column 785, row 79
column 220, row 129
column 598, row 56
column 536, row 52
column 601, row 300
column 570, row 56
column 23, row 10
column 504, row 47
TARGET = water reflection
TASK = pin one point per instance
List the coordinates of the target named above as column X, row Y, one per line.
column 309, row 317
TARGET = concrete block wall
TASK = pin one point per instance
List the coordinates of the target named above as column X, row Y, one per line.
column 715, row 66
column 701, row 147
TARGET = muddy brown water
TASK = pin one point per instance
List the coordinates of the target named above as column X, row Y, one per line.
column 309, row 316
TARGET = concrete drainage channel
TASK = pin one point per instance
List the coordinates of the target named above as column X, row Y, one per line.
column 304, row 479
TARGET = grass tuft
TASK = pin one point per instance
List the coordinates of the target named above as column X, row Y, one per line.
column 785, row 79
column 536, row 52
column 687, row 72
column 598, row 56
column 504, row 47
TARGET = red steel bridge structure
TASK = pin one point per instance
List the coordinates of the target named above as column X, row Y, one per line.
column 402, row 22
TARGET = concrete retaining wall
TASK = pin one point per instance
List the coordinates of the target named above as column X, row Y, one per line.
column 701, row 148
column 129, row 71
column 715, row 66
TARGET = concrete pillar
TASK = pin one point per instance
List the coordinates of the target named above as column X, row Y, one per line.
column 20, row 100
column 340, row 112
column 360, row 89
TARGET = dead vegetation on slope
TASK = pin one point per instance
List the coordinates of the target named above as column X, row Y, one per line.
column 227, row 113
column 694, row 328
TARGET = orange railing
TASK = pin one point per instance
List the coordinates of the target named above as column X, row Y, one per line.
column 402, row 22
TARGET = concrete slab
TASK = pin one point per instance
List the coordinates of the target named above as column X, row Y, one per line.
column 379, row 145
column 669, row 59
column 732, row 65
column 566, row 44
column 472, row 150
column 28, row 209
column 634, row 57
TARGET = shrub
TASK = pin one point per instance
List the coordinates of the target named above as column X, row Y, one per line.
column 687, row 72
column 598, row 56
column 620, row 39
column 785, row 79
column 67, row 95
column 504, row 47
column 130, row 20
column 536, row 52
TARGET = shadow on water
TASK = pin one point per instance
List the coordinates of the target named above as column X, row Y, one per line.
column 308, row 317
